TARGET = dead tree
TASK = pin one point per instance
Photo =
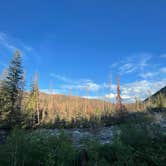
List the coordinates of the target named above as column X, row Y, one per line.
column 119, row 105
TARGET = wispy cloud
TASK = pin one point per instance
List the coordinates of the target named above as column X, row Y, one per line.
column 140, row 89
column 92, row 97
column 61, row 78
column 85, row 85
column 81, row 84
column 53, row 91
column 9, row 44
column 132, row 64
column 127, row 68
column 12, row 44
column 6, row 42
column 129, row 91
column 142, row 66
column 163, row 55
column 148, row 75
column 110, row 96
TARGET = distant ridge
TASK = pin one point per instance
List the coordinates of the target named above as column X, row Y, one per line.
column 162, row 91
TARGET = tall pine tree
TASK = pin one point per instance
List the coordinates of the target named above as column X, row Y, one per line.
column 12, row 86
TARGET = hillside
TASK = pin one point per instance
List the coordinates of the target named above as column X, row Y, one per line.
column 157, row 101
column 69, row 108
column 162, row 91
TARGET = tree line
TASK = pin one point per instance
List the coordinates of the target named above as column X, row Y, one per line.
column 12, row 104
column 31, row 109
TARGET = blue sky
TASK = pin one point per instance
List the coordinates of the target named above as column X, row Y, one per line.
column 80, row 46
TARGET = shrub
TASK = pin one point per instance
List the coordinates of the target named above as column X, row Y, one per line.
column 135, row 144
column 22, row 148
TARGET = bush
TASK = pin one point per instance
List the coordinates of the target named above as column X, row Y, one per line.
column 134, row 144
column 34, row 149
column 139, row 144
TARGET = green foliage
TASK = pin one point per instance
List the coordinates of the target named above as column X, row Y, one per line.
column 23, row 148
column 12, row 90
column 4, row 106
column 160, row 101
column 134, row 144
column 32, row 106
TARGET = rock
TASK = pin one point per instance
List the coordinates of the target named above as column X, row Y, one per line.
column 104, row 135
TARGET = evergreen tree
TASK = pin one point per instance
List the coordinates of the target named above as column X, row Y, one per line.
column 12, row 89
column 4, row 97
column 33, row 103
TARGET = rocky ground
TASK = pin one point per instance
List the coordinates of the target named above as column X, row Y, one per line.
column 102, row 134
column 160, row 119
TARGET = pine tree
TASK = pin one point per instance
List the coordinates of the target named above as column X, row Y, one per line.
column 12, row 89
column 33, row 103
column 4, row 97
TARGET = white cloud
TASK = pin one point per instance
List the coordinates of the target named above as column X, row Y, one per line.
column 53, row 91
column 140, row 64
column 127, row 68
column 110, row 96
column 138, row 89
column 132, row 64
column 129, row 91
column 142, row 89
column 148, row 75
column 92, row 97
column 126, row 97
column 81, row 84
column 6, row 42
column 144, row 60
column 61, row 78
column 92, row 86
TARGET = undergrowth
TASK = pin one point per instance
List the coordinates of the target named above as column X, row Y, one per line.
column 136, row 143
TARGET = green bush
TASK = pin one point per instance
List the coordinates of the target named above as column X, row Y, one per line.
column 139, row 144
column 22, row 148
column 135, row 144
